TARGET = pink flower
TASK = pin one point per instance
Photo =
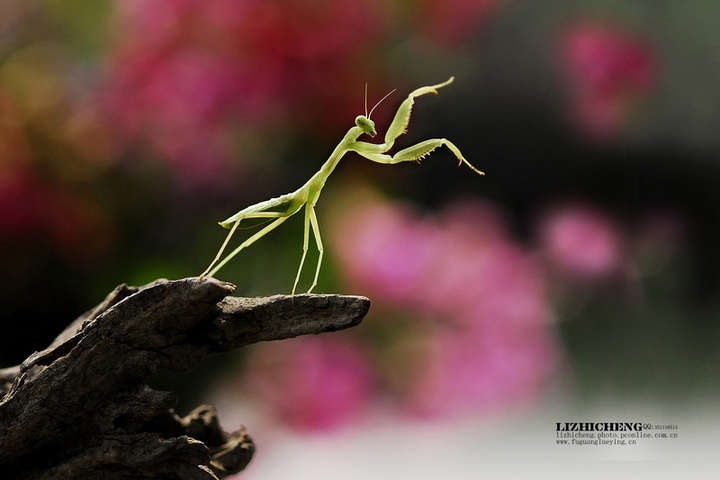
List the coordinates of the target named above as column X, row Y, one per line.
column 479, row 296
column 488, row 368
column 582, row 242
column 606, row 68
column 460, row 266
column 311, row 382
column 184, row 77
column 387, row 252
column 177, row 106
column 480, row 273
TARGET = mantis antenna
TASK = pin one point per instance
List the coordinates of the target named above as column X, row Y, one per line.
column 368, row 115
column 366, row 112
column 277, row 210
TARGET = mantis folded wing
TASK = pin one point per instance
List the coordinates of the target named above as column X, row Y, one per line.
column 279, row 209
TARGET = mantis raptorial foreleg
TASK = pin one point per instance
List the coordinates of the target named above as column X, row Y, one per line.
column 279, row 209
column 416, row 153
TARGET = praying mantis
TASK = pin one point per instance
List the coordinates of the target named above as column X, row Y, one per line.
column 277, row 210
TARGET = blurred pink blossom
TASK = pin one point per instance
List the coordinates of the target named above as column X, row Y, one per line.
column 311, row 382
column 183, row 75
column 462, row 265
column 488, row 368
column 606, row 68
column 176, row 105
column 386, row 252
column 480, row 272
column 481, row 295
column 583, row 242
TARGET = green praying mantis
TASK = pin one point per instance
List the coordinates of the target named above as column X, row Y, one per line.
column 277, row 210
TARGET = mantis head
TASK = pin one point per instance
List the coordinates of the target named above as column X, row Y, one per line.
column 366, row 125
column 363, row 121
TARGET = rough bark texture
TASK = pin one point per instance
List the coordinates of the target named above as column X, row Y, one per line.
column 81, row 408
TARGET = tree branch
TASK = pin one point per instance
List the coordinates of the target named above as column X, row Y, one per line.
column 81, row 408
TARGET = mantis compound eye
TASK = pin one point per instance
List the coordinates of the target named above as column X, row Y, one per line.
column 367, row 125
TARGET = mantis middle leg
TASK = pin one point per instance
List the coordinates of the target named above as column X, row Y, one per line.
column 311, row 222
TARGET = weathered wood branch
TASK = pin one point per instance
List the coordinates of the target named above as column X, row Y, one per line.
column 81, row 408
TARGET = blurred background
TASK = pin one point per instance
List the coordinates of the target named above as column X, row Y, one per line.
column 578, row 280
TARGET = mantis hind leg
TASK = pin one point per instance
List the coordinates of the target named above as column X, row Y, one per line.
column 210, row 271
column 220, row 252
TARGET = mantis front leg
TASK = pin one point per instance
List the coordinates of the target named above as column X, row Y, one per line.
column 377, row 152
column 413, row 153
